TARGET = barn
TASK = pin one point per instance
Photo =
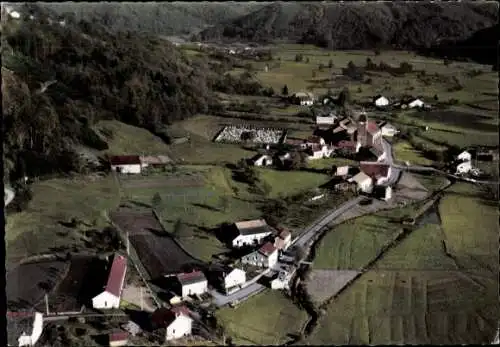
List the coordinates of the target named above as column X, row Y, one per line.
column 127, row 164
column 110, row 297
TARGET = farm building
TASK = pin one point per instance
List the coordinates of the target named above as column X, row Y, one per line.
column 380, row 101
column 266, row 256
column 127, row 164
column 464, row 156
column 348, row 146
column 250, row 232
column 232, row 278
column 262, row 160
column 383, row 193
column 388, row 129
column 303, row 99
column 345, row 186
column 119, row 338
column 24, row 330
column 363, row 182
column 154, row 160
column 379, row 172
column 464, row 167
column 415, row 103
column 283, row 240
column 176, row 321
column 342, row 171
column 192, row 283
column 110, row 297
column 318, row 152
column 132, row 328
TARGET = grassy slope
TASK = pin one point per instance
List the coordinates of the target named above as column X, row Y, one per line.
column 290, row 182
column 265, row 319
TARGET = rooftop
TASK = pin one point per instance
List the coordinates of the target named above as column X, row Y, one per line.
column 117, row 275
column 314, row 139
column 375, row 170
column 267, row 248
column 191, row 277
column 372, row 127
column 125, row 160
column 360, row 177
column 118, row 336
column 253, row 227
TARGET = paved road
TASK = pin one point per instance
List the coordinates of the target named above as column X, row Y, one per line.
column 240, row 295
column 9, row 195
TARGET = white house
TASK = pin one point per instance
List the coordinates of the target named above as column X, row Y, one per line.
column 192, row 283
column 262, row 160
column 389, row 130
column 283, row 240
column 384, row 193
column 250, row 232
column 381, row 101
column 315, row 140
column 464, row 156
column 235, row 277
column 126, row 164
column 464, row 167
column 26, row 339
column 325, row 120
column 342, row 170
column 177, row 321
column 379, row 172
column 319, row 152
column 110, row 297
column 363, row 181
column 266, row 256
column 15, row 14
column 118, row 339
column 303, row 99
column 415, row 103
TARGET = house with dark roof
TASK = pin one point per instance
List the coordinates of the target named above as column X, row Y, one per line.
column 379, row 172
column 226, row 279
column 250, row 232
column 266, row 256
column 110, row 297
column 127, row 164
column 176, row 322
column 192, row 283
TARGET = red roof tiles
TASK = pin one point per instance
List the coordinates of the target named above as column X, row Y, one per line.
column 375, row 170
column 191, row 277
column 116, row 276
column 118, row 336
column 267, row 248
column 125, row 160
column 372, row 127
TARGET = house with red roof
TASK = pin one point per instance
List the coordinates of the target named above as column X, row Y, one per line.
column 176, row 321
column 283, row 239
column 127, row 164
column 110, row 297
column 118, row 338
column 378, row 172
column 192, row 283
column 266, row 256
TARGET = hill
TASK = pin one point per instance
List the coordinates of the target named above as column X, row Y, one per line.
column 165, row 18
column 359, row 25
column 58, row 80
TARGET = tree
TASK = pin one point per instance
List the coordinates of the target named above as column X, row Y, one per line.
column 285, row 90
column 321, row 67
column 314, row 74
column 299, row 57
column 330, row 64
column 344, row 97
column 307, row 60
column 181, row 230
column 224, row 202
column 377, row 51
column 156, row 201
column 298, row 160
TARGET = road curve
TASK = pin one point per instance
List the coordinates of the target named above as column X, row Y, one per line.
column 9, row 196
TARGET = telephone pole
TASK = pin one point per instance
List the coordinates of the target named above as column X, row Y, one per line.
column 142, row 300
column 128, row 245
column 47, row 304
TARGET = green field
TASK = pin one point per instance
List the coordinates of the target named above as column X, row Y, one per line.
column 290, row 182
column 59, row 200
column 327, row 163
column 416, row 294
column 403, row 151
column 265, row 319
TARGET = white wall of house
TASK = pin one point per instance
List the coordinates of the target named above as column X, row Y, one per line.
column 118, row 343
column 265, row 160
column 464, row 167
column 464, row 156
column 389, row 131
column 133, row 169
column 382, row 157
column 288, row 241
column 306, row 102
column 180, row 327
column 242, row 240
column 382, row 101
column 105, row 300
column 325, row 120
column 388, row 193
column 194, row 288
column 382, row 180
column 258, row 259
column 234, row 278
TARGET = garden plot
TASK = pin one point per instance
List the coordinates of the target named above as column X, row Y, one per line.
column 323, row 284
column 236, row 134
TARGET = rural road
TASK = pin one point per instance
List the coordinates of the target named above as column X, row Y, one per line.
column 9, row 195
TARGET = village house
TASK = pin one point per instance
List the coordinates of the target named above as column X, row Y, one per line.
column 24, row 330
column 415, row 103
column 325, row 120
column 383, row 193
column 303, row 99
column 282, row 158
column 463, row 167
column 318, row 152
column 345, row 187
column 282, row 280
column 132, row 328
column 110, row 297
column 342, row 171
column 380, row 101
column 119, row 338
column 154, row 161
column 232, row 278
column 126, row 164
column 176, row 321
column 348, row 146
column 373, row 132
column 464, row 156
column 300, row 143
column 283, row 240
column 266, row 256
column 363, row 182
column 250, row 232
column 192, row 283
column 380, row 173
column 388, row 129
column 315, row 140
column 261, row 160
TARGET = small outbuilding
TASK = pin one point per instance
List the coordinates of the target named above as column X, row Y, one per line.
column 250, row 232
column 266, row 256
column 127, row 164
column 380, row 101
column 119, row 338
column 110, row 297
column 464, row 156
column 176, row 321
column 192, row 283
column 363, row 182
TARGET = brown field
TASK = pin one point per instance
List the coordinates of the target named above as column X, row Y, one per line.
column 163, row 181
column 23, row 288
